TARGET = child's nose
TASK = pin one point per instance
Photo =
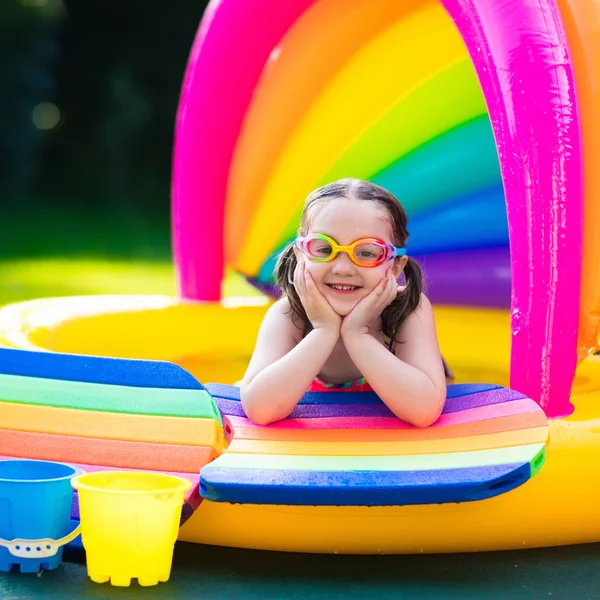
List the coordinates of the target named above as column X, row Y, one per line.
column 342, row 264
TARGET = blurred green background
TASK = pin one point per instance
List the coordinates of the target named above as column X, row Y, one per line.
column 87, row 113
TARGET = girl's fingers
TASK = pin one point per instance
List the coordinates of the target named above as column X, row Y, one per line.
column 312, row 290
column 388, row 291
column 309, row 284
column 392, row 289
column 300, row 281
column 381, row 289
column 308, row 287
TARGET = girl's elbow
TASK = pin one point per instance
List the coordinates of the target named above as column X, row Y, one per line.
column 259, row 419
column 255, row 415
column 424, row 421
column 249, row 407
column 254, row 412
column 429, row 413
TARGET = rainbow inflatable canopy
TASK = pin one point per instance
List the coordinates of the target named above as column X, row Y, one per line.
column 480, row 115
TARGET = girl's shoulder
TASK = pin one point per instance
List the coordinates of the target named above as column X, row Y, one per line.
column 424, row 310
column 281, row 314
column 424, row 303
column 281, row 307
column 413, row 318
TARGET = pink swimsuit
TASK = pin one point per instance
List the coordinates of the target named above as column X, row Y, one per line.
column 357, row 385
column 361, row 385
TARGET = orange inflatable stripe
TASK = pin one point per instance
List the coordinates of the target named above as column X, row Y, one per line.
column 110, row 453
column 113, row 426
column 506, row 439
column 582, row 22
column 512, row 423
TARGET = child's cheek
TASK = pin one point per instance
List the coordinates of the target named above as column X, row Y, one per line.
column 315, row 269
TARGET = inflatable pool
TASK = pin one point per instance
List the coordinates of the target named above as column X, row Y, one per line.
column 477, row 125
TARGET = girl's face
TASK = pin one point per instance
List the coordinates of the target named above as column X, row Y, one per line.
column 347, row 220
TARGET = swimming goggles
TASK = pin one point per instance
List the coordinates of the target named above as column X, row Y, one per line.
column 366, row 252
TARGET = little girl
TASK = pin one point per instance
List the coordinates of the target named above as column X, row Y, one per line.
column 343, row 321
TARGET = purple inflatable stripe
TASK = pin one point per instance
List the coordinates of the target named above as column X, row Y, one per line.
column 75, row 507
column 495, row 396
column 479, row 277
column 312, row 411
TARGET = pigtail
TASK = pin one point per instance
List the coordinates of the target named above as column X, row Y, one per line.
column 284, row 274
column 406, row 301
column 414, row 285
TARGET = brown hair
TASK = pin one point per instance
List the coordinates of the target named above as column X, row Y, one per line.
column 406, row 301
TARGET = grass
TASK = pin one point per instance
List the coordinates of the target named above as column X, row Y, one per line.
column 60, row 252
column 25, row 279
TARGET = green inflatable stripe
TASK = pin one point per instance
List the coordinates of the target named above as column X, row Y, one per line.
column 532, row 453
column 108, row 398
column 459, row 163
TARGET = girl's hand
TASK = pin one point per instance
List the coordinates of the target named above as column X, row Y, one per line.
column 318, row 310
column 371, row 306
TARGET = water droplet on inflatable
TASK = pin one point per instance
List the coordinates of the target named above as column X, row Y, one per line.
column 516, row 317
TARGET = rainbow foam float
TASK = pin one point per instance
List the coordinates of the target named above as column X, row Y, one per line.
column 249, row 147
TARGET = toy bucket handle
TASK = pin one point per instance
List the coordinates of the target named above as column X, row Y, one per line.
column 43, row 548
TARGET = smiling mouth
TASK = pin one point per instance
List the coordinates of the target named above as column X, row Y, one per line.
column 343, row 288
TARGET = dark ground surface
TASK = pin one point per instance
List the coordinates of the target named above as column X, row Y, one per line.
column 571, row 573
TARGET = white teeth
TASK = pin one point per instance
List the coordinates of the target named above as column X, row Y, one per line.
column 344, row 287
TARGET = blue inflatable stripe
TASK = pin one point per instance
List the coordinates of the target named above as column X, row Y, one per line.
column 231, row 392
column 363, row 488
column 95, row 369
column 476, row 221
column 266, row 273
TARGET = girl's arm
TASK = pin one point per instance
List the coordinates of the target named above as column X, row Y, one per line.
column 282, row 366
column 411, row 380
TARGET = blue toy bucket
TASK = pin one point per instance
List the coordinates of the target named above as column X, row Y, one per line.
column 35, row 513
